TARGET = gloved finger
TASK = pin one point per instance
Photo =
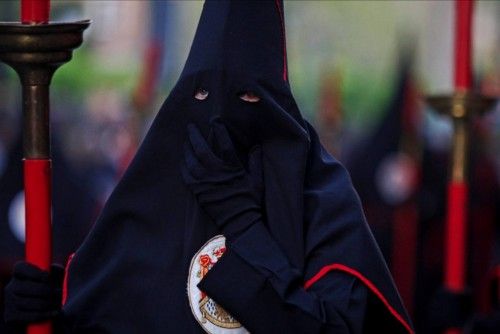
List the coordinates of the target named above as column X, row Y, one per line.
column 225, row 144
column 214, row 145
column 29, row 288
column 27, row 271
column 186, row 174
column 56, row 273
column 192, row 169
column 201, row 149
column 255, row 167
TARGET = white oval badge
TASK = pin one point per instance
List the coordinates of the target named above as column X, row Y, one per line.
column 213, row 318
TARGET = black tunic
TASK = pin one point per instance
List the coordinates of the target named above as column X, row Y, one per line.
column 311, row 266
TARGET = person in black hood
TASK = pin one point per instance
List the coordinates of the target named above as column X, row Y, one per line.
column 232, row 218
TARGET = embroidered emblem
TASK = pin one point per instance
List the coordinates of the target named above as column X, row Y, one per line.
column 213, row 318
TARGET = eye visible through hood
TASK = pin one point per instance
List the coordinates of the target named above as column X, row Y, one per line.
column 249, row 96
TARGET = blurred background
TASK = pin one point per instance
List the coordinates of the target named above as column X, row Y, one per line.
column 359, row 71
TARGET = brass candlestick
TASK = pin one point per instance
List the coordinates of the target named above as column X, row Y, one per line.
column 35, row 52
column 461, row 107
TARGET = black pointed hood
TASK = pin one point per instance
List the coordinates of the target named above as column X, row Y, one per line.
column 239, row 47
column 240, row 36
column 131, row 273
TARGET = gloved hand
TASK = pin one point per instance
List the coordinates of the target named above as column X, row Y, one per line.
column 32, row 294
column 229, row 194
column 448, row 309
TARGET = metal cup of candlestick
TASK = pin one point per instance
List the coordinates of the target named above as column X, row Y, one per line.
column 35, row 52
column 461, row 107
column 461, row 104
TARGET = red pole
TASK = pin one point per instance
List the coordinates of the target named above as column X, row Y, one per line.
column 456, row 223
column 463, row 46
column 35, row 52
column 461, row 106
column 37, row 178
column 37, row 189
column 35, row 11
column 456, row 231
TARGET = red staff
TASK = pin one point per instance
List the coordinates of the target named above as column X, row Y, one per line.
column 37, row 168
column 35, row 49
column 462, row 105
column 35, row 11
column 456, row 225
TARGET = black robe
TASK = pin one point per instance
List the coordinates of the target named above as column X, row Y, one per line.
column 312, row 266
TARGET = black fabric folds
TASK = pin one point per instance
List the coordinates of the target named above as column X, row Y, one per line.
column 130, row 274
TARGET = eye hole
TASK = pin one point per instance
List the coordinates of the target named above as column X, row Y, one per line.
column 249, row 97
column 201, row 94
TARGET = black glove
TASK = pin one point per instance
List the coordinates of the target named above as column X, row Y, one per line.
column 486, row 324
column 448, row 309
column 32, row 294
column 229, row 194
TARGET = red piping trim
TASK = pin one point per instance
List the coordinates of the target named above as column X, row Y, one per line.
column 65, row 281
column 283, row 38
column 367, row 282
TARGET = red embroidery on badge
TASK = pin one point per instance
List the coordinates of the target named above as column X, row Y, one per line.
column 212, row 317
